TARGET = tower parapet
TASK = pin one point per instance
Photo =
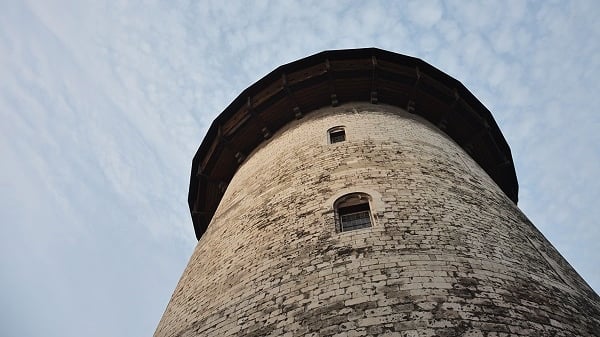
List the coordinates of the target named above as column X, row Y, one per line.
column 365, row 193
column 332, row 78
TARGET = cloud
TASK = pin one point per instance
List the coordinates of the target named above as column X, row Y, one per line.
column 424, row 13
column 104, row 104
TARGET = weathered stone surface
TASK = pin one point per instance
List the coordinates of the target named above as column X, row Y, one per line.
column 449, row 254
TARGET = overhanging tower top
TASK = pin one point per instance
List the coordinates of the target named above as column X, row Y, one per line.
column 331, row 78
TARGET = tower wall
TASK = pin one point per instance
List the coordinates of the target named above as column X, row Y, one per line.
column 449, row 254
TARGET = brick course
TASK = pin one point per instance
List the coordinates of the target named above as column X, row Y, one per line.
column 449, row 253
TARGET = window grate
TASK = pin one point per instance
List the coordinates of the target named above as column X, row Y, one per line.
column 356, row 220
column 337, row 136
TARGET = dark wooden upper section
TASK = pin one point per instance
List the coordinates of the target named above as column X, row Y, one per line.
column 331, row 78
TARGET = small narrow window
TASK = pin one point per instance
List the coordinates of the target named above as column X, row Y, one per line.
column 353, row 212
column 336, row 135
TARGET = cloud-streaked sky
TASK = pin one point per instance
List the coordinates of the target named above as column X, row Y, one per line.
column 104, row 103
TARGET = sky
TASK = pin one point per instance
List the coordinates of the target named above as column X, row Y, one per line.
column 104, row 103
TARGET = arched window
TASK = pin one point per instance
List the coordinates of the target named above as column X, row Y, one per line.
column 353, row 211
column 336, row 134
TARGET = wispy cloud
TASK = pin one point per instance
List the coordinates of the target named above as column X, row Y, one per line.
column 103, row 105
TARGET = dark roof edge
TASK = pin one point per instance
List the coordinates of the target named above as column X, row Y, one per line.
column 208, row 180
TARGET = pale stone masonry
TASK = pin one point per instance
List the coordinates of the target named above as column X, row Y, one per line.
column 449, row 253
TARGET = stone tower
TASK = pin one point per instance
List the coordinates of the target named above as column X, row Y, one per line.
column 366, row 193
